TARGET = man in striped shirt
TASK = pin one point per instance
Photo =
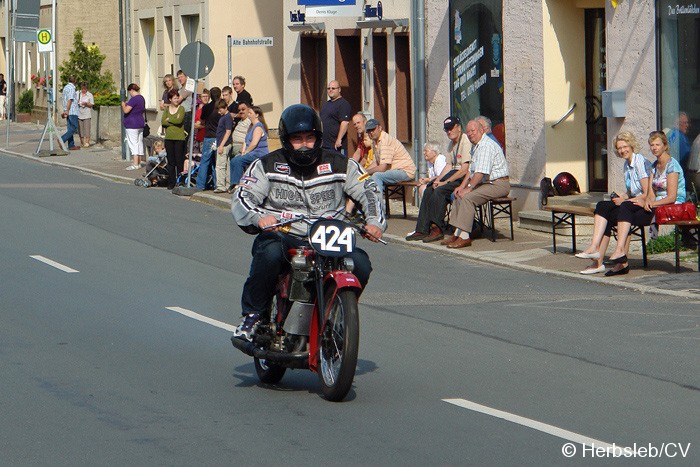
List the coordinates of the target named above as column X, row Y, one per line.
column 488, row 180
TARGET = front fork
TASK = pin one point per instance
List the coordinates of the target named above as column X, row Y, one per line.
column 334, row 281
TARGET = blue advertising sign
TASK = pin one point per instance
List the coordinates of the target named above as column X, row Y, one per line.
column 326, row 2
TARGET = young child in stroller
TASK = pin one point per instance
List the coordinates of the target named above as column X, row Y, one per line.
column 156, row 170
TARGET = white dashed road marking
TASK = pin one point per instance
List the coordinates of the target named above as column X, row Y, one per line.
column 56, row 265
column 202, row 318
column 534, row 424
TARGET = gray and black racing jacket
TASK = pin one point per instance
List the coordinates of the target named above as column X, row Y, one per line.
column 273, row 186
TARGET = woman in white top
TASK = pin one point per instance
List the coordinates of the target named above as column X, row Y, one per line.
column 437, row 166
column 85, row 103
column 622, row 210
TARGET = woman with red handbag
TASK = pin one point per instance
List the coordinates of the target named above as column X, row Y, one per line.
column 667, row 187
column 628, row 207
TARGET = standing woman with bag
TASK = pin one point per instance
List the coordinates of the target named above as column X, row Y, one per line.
column 134, row 110
column 175, row 138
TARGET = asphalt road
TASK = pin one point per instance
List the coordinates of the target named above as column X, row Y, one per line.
column 461, row 363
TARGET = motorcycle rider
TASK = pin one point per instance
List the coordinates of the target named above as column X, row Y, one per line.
column 299, row 178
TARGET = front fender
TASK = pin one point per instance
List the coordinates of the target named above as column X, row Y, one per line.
column 342, row 280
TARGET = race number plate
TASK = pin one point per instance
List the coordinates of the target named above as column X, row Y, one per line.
column 331, row 237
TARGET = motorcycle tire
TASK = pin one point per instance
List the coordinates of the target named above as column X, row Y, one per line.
column 338, row 346
column 269, row 373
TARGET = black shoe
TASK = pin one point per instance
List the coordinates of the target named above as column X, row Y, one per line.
column 620, row 272
column 416, row 236
column 621, row 260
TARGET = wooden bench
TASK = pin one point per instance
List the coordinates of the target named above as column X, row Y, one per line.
column 498, row 208
column 693, row 226
column 564, row 216
column 395, row 190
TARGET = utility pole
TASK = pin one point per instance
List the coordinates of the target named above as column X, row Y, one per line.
column 418, row 47
column 122, row 77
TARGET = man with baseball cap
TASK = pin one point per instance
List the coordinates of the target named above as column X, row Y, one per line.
column 394, row 163
column 431, row 225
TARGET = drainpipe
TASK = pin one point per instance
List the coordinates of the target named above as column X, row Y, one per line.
column 122, row 77
column 419, row 112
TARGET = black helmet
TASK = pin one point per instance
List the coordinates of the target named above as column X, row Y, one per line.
column 300, row 118
column 565, row 184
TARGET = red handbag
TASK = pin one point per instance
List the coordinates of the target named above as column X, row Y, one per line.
column 675, row 212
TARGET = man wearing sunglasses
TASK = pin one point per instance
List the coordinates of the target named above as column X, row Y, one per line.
column 335, row 116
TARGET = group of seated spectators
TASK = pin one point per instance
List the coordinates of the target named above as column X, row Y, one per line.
column 649, row 185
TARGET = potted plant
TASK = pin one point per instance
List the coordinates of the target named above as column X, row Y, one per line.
column 25, row 105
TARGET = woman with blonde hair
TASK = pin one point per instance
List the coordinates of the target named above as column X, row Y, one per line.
column 622, row 210
column 168, row 84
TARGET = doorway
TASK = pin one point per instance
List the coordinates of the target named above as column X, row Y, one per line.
column 596, row 125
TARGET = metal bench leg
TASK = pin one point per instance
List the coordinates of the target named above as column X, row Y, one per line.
column 554, row 232
column 678, row 254
column 403, row 199
column 645, row 263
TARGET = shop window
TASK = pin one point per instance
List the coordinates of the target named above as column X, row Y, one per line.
column 404, row 114
column 476, row 59
column 678, row 71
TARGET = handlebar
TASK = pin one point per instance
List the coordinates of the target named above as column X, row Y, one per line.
column 309, row 221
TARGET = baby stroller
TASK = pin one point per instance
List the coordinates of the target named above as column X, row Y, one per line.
column 157, row 173
column 182, row 178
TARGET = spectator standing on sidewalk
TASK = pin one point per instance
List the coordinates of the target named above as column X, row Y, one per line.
column 186, row 100
column 168, row 84
column 223, row 146
column 85, row 103
column 335, row 116
column 3, row 96
column 210, row 120
column 134, row 122
column 241, row 94
column 175, row 137
column 70, row 113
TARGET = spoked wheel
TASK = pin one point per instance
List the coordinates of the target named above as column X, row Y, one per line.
column 338, row 345
column 269, row 373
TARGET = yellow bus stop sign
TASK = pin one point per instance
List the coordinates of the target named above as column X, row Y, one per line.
column 44, row 39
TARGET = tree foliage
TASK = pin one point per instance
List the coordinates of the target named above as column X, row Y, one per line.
column 85, row 63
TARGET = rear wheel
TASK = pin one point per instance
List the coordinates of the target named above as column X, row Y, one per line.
column 268, row 372
column 338, row 346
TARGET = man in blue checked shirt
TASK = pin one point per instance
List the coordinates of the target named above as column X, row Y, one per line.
column 70, row 113
column 488, row 180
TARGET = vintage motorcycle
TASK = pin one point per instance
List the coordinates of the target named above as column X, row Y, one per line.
column 314, row 320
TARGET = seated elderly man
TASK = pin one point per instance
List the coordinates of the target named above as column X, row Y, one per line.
column 431, row 224
column 394, row 163
column 488, row 180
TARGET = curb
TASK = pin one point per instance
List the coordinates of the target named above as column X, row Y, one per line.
column 225, row 203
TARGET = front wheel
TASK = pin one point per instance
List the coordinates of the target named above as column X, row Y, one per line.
column 269, row 373
column 338, row 346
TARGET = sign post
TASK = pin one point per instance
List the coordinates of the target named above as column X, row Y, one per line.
column 44, row 40
column 197, row 61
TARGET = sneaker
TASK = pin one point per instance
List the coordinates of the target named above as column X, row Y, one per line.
column 246, row 330
column 133, row 167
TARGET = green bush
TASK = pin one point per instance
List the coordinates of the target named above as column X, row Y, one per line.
column 25, row 103
column 107, row 100
column 663, row 244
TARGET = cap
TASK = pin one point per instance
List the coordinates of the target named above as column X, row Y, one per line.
column 450, row 122
column 371, row 124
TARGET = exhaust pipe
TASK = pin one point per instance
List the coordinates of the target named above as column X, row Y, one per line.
column 290, row 360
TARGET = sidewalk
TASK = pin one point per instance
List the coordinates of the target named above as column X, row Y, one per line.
column 531, row 251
